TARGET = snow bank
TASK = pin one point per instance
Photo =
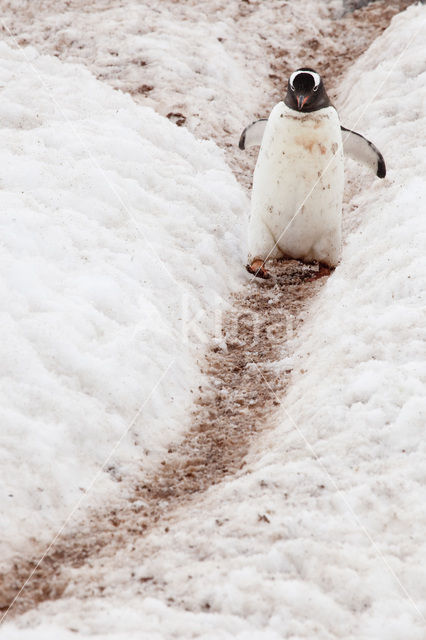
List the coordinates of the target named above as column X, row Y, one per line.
column 324, row 536
column 117, row 229
column 321, row 540
column 365, row 337
column 353, row 452
column 208, row 60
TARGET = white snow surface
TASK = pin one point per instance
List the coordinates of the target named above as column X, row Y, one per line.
column 211, row 61
column 208, row 60
column 322, row 535
column 119, row 234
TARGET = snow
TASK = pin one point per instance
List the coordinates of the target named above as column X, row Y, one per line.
column 208, row 61
column 119, row 232
column 322, row 534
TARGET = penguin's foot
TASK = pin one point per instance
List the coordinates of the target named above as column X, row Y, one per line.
column 257, row 268
column 323, row 270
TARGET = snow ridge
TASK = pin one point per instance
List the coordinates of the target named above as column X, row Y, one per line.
column 118, row 229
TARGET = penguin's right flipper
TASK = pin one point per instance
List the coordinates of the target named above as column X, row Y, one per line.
column 362, row 150
column 253, row 134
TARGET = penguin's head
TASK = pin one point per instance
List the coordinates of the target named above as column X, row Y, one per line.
column 305, row 91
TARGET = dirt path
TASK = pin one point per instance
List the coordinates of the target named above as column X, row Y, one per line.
column 228, row 415
column 236, row 405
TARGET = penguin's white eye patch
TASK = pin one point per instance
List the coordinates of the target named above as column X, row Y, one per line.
column 315, row 76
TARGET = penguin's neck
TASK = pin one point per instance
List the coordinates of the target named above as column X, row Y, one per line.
column 308, row 116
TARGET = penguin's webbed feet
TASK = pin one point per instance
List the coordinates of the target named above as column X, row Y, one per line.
column 257, row 268
column 323, row 270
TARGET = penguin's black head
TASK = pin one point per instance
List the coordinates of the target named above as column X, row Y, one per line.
column 306, row 92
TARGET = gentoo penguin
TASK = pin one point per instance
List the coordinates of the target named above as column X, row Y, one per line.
column 296, row 204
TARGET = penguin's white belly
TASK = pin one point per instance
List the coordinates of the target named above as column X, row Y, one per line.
column 298, row 187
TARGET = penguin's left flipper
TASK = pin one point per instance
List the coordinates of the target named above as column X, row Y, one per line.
column 253, row 134
column 362, row 150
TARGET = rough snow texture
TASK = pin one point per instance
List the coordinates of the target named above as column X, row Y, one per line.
column 126, row 231
column 117, row 230
column 212, row 65
column 323, row 536
column 176, row 59
column 208, row 62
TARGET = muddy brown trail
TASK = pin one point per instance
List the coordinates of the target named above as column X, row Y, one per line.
column 228, row 415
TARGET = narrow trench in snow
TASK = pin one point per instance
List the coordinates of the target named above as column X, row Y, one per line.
column 227, row 416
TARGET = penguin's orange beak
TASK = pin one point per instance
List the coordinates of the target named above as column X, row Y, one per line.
column 301, row 101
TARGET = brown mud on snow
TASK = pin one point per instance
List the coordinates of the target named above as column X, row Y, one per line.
column 227, row 416
column 331, row 53
column 244, row 384
column 334, row 50
column 100, row 35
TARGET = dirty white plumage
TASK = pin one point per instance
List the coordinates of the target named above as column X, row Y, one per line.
column 297, row 186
